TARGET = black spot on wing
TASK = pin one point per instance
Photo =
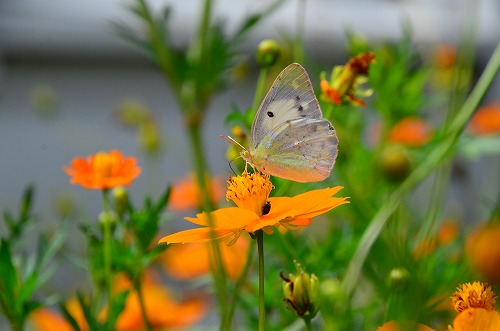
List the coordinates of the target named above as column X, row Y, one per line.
column 270, row 114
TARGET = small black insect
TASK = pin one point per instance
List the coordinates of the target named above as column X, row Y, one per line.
column 266, row 208
column 270, row 114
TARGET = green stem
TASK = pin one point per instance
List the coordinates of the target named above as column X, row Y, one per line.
column 308, row 324
column 107, row 248
column 140, row 294
column 435, row 158
column 238, row 286
column 298, row 43
column 262, row 308
column 259, row 92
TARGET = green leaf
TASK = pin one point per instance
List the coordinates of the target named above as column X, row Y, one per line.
column 117, row 306
column 71, row 320
column 475, row 147
column 162, row 202
column 9, row 282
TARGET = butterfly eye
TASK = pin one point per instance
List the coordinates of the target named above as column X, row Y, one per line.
column 266, row 208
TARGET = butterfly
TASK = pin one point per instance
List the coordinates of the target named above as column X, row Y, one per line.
column 289, row 137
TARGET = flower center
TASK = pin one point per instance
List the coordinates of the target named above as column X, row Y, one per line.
column 104, row 164
column 250, row 191
column 475, row 295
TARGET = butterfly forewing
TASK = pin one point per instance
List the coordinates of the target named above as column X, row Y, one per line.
column 291, row 96
column 303, row 150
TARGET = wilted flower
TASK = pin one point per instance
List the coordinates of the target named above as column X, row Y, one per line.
column 345, row 81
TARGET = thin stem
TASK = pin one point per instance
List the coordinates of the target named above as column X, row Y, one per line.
column 140, row 294
column 237, row 287
column 260, row 248
column 435, row 158
column 259, row 92
column 298, row 43
column 107, row 248
column 308, row 324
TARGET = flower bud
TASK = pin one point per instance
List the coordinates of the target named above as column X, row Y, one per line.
column 398, row 278
column 301, row 293
column 107, row 218
column 395, row 163
column 120, row 199
column 267, row 53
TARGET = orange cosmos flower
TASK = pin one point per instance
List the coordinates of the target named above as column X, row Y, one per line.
column 486, row 120
column 161, row 308
column 186, row 193
column 103, row 170
column 403, row 325
column 411, row 131
column 193, row 260
column 43, row 319
column 476, row 305
column 345, row 81
column 484, row 253
column 256, row 210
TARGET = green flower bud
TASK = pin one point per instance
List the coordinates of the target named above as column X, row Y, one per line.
column 301, row 293
column 267, row 53
column 398, row 278
column 107, row 218
column 395, row 163
column 120, row 199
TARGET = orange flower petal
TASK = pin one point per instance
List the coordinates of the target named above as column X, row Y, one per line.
column 43, row 319
column 411, row 131
column 226, row 218
column 196, row 235
column 403, row 325
column 486, row 120
column 477, row 319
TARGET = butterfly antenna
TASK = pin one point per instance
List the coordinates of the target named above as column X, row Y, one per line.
column 231, row 140
column 231, row 167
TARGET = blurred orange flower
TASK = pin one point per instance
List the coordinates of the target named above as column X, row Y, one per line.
column 161, row 308
column 256, row 210
column 448, row 232
column 186, row 193
column 486, row 120
column 345, row 80
column 477, row 319
column 192, row 260
column 44, row 319
column 103, row 170
column 483, row 252
column 411, row 131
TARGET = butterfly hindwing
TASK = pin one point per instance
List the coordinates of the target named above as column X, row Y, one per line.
column 291, row 96
column 303, row 150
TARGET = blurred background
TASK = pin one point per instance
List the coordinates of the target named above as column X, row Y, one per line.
column 68, row 83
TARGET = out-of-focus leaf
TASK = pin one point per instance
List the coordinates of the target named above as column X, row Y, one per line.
column 69, row 318
column 8, row 277
column 162, row 202
column 475, row 147
column 117, row 306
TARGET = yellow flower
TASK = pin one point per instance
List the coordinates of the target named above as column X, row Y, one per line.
column 256, row 210
column 103, row 170
column 345, row 81
column 475, row 295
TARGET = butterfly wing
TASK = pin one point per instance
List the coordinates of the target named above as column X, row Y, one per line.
column 291, row 96
column 302, row 150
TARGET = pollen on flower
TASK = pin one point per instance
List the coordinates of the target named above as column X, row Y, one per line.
column 475, row 295
column 249, row 191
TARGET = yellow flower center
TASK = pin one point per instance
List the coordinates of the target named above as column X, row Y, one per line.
column 104, row 164
column 475, row 295
column 250, row 191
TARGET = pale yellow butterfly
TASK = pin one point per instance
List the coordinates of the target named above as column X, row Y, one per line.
column 290, row 138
